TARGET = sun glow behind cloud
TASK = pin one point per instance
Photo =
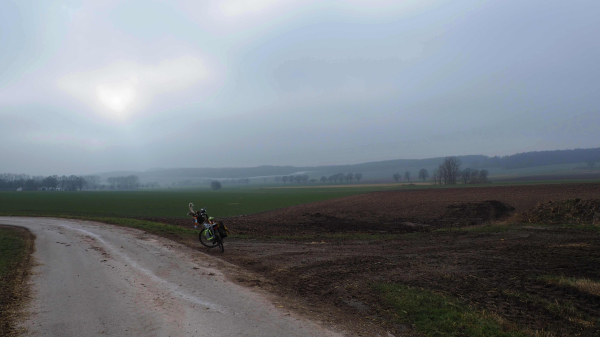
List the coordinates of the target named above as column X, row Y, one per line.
column 122, row 89
column 117, row 97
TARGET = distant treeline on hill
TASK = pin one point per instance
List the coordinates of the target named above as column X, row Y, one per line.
column 519, row 160
column 542, row 158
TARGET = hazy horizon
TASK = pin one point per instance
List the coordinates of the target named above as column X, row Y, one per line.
column 89, row 87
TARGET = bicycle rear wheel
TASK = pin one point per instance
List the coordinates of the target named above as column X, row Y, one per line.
column 219, row 241
column 205, row 241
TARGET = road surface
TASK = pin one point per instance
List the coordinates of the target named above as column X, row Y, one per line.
column 94, row 279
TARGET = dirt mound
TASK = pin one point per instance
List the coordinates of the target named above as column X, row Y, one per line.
column 574, row 211
column 473, row 213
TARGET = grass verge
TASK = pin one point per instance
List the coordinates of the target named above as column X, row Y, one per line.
column 506, row 227
column 173, row 232
column 565, row 309
column 169, row 231
column 439, row 315
column 16, row 246
column 582, row 284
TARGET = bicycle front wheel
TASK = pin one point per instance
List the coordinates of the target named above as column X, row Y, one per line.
column 204, row 239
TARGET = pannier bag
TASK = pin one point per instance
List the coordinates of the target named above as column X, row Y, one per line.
column 223, row 231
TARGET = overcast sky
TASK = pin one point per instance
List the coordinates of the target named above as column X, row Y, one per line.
column 94, row 86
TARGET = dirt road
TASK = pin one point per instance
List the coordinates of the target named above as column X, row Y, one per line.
column 94, row 279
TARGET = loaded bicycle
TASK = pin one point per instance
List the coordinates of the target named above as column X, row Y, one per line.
column 211, row 233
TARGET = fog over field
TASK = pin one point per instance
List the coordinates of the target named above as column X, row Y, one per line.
column 99, row 86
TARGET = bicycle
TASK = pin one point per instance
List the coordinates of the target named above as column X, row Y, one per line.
column 211, row 235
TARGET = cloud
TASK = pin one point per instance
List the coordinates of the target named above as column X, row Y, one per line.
column 322, row 75
column 123, row 88
column 224, row 17
column 237, row 8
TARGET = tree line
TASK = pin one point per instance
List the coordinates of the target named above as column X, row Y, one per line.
column 300, row 178
column 69, row 183
column 449, row 173
column 334, row 178
column 348, row 177
column 124, row 183
column 27, row 183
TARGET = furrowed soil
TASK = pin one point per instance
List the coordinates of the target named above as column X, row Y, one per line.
column 468, row 243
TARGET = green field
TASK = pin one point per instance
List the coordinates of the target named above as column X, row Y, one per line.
column 173, row 203
column 168, row 203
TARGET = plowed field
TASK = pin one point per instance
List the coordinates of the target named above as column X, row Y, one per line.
column 462, row 242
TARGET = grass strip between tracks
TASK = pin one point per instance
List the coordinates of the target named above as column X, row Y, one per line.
column 16, row 246
column 441, row 315
column 582, row 284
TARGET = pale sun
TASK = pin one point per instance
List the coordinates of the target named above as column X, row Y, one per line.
column 117, row 98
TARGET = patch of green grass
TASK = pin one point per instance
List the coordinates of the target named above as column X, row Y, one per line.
column 589, row 228
column 507, row 227
column 580, row 227
column 495, row 228
column 582, row 284
column 15, row 247
column 170, row 231
column 12, row 250
column 440, row 315
column 564, row 309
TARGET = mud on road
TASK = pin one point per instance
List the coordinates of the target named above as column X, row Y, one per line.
column 329, row 254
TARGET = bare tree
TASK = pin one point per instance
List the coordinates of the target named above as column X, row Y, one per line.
column 349, row 177
column 396, row 177
column 323, row 179
column 483, row 176
column 291, row 178
column 466, row 175
column 450, row 168
column 285, row 179
column 358, row 176
column 338, row 176
column 443, row 177
column 407, row 176
column 277, row 179
column 423, row 174
column 591, row 163
column 474, row 176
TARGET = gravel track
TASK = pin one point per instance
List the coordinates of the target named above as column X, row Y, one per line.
column 94, row 279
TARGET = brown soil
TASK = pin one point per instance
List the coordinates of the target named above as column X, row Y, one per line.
column 590, row 175
column 329, row 254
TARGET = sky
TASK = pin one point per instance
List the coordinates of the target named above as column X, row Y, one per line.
column 97, row 86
